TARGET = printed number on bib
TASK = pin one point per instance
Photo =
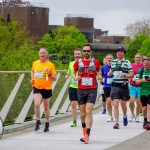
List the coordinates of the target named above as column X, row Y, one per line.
column 73, row 81
column 87, row 81
column 39, row 74
column 109, row 80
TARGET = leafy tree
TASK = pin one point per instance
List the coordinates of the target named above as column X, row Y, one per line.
column 16, row 47
column 135, row 45
column 48, row 43
column 139, row 27
column 63, row 40
column 145, row 47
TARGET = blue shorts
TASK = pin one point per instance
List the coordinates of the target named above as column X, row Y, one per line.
column 135, row 91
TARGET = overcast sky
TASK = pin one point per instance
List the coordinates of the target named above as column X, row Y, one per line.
column 111, row 15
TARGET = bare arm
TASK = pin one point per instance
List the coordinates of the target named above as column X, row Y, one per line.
column 139, row 81
column 76, row 78
column 110, row 72
column 32, row 77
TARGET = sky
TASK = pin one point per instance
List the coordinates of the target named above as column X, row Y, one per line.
column 111, row 15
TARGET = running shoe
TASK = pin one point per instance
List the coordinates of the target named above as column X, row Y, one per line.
column 74, row 124
column 137, row 119
column 85, row 139
column 131, row 118
column 84, row 131
column 37, row 126
column 147, row 127
column 125, row 121
column 46, row 129
column 116, row 126
column 110, row 119
column 104, row 111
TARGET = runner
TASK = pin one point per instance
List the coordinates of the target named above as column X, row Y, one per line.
column 42, row 74
column 73, row 87
column 88, row 68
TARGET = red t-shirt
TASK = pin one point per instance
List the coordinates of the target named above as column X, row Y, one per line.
column 86, row 81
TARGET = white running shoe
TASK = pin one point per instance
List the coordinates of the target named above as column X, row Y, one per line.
column 137, row 119
column 110, row 119
column 131, row 118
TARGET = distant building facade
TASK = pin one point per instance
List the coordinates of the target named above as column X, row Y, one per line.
column 84, row 24
column 112, row 39
column 35, row 19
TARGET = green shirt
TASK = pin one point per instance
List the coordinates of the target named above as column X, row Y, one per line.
column 144, row 86
column 73, row 83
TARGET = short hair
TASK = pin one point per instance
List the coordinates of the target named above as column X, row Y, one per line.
column 109, row 55
column 87, row 44
column 45, row 50
column 146, row 59
column 139, row 54
column 77, row 49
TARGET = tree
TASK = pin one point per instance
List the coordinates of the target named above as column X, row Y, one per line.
column 63, row 40
column 145, row 47
column 48, row 43
column 139, row 27
column 138, row 45
column 16, row 47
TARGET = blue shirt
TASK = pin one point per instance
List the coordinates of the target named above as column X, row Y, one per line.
column 107, row 79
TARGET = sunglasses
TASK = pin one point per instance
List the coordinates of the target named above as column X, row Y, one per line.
column 88, row 51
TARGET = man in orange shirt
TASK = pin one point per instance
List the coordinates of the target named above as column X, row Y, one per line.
column 42, row 75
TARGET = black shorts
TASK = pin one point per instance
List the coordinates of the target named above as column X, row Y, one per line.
column 103, row 98
column 87, row 96
column 45, row 93
column 145, row 100
column 107, row 91
column 73, row 94
column 121, row 93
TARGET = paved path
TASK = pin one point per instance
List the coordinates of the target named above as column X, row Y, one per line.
column 63, row 137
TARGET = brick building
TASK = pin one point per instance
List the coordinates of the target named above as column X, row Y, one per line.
column 84, row 24
column 35, row 19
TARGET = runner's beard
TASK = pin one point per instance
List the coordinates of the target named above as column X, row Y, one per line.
column 86, row 56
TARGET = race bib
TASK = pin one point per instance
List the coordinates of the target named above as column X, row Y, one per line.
column 73, row 81
column 39, row 74
column 109, row 80
column 133, row 79
column 87, row 81
column 116, row 73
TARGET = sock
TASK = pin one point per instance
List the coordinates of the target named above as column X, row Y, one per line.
column 88, row 131
column 83, row 125
column 145, row 119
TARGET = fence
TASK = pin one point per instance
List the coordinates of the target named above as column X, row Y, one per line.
column 17, row 98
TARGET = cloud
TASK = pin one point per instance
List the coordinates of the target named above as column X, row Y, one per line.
column 112, row 15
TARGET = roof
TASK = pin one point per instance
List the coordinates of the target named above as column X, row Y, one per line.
column 107, row 46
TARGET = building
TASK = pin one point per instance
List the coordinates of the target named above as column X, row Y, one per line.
column 34, row 19
column 112, row 39
column 84, row 24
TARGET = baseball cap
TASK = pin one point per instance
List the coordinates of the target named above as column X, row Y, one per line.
column 120, row 49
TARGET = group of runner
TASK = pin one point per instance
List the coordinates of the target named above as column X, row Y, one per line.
column 84, row 72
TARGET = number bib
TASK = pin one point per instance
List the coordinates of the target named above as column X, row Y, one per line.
column 87, row 81
column 116, row 73
column 109, row 80
column 133, row 79
column 73, row 81
column 39, row 74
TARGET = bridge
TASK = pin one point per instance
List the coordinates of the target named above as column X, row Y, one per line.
column 20, row 134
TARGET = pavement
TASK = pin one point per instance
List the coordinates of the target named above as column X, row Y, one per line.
column 62, row 136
